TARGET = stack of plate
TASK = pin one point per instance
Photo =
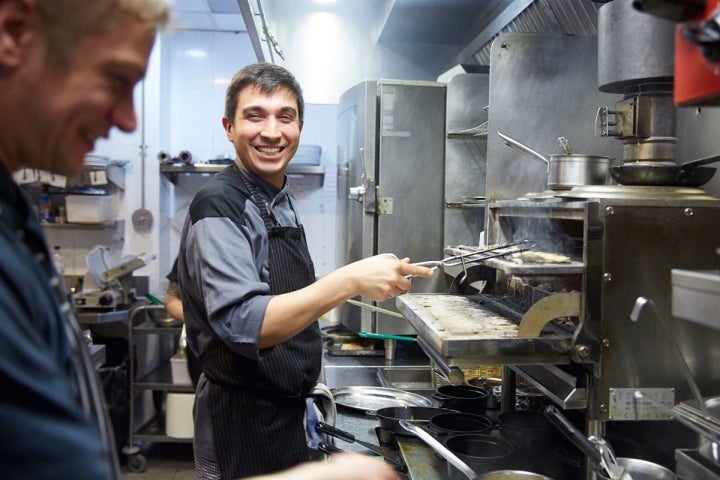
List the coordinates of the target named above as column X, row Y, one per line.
column 307, row 155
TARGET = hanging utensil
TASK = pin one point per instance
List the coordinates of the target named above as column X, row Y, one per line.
column 142, row 218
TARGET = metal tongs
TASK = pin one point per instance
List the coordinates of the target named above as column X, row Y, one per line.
column 477, row 256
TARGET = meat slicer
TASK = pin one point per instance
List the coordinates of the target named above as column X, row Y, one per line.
column 107, row 283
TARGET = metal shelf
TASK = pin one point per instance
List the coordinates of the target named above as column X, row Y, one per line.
column 161, row 379
column 83, row 226
column 171, row 171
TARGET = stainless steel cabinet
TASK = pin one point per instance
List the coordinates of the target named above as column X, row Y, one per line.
column 390, row 184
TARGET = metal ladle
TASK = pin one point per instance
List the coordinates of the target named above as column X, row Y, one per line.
column 565, row 145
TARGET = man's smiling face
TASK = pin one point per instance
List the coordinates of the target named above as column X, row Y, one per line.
column 265, row 131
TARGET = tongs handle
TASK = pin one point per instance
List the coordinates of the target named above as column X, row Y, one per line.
column 323, row 427
column 329, row 448
column 609, row 461
column 573, row 434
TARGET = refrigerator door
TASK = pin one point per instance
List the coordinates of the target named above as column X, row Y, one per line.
column 356, row 136
column 390, row 184
column 410, row 177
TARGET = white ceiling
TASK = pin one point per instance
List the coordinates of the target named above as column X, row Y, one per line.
column 208, row 15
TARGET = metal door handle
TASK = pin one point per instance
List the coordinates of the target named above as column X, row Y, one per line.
column 357, row 193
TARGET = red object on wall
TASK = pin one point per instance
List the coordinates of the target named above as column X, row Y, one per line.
column 697, row 79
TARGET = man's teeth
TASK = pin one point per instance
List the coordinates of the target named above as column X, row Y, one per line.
column 269, row 150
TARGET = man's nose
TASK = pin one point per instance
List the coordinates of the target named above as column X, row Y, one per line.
column 124, row 116
column 271, row 128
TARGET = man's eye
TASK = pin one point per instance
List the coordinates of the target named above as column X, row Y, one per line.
column 122, row 82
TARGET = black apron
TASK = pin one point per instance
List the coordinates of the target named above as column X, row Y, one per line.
column 258, row 407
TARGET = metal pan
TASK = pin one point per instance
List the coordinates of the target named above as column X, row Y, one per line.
column 370, row 399
column 688, row 174
column 390, row 417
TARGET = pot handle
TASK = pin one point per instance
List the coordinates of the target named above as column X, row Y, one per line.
column 515, row 145
column 440, row 449
column 692, row 164
column 573, row 434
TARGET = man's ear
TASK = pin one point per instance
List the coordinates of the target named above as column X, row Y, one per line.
column 227, row 126
column 18, row 19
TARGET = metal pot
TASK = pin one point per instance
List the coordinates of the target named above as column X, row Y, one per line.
column 494, row 385
column 389, row 417
column 482, row 453
column 465, row 398
column 454, row 423
column 567, row 171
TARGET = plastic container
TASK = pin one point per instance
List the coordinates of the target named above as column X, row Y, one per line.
column 179, row 421
column 179, row 368
column 89, row 208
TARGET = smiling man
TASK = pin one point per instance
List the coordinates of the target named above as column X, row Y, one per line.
column 250, row 297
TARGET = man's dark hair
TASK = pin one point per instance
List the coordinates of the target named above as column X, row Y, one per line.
column 267, row 77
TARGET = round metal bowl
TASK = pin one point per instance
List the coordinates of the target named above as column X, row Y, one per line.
column 643, row 470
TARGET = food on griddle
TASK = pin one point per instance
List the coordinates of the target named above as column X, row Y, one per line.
column 361, row 345
column 529, row 256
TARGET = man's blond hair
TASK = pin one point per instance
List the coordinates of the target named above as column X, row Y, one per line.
column 65, row 22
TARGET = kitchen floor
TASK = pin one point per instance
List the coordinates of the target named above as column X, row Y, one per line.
column 165, row 461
